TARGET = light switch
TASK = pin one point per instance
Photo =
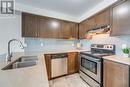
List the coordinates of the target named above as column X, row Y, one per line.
column 73, row 45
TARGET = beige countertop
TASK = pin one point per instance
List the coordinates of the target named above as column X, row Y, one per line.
column 118, row 59
column 34, row 76
column 64, row 51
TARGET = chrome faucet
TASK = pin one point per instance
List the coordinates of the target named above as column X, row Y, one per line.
column 9, row 56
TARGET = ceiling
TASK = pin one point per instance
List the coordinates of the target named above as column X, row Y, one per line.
column 71, row 10
column 69, row 7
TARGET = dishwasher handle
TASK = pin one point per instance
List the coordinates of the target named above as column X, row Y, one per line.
column 57, row 56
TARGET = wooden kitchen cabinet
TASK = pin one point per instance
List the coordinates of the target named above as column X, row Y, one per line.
column 115, row 74
column 121, row 19
column 91, row 23
column 73, row 65
column 29, row 25
column 49, row 28
column 45, row 27
column 82, row 30
column 48, row 65
column 103, row 18
column 69, row 30
column 85, row 26
column 100, row 19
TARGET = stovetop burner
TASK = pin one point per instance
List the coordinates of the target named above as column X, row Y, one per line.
column 99, row 50
column 100, row 55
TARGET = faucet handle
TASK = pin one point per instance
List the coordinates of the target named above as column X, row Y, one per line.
column 22, row 47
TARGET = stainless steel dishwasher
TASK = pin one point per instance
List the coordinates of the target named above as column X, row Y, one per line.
column 59, row 64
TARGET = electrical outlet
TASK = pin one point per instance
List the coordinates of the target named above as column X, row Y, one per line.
column 42, row 44
column 124, row 46
column 25, row 45
column 73, row 45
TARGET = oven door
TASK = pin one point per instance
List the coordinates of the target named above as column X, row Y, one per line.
column 91, row 66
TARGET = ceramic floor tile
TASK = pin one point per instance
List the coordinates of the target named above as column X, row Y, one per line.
column 68, row 81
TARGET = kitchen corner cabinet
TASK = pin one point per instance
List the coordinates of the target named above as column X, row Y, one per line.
column 69, row 30
column 91, row 22
column 73, row 65
column 121, row 19
column 115, row 74
column 29, row 25
column 82, row 30
column 86, row 26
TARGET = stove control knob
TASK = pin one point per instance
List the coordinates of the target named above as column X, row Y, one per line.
column 111, row 47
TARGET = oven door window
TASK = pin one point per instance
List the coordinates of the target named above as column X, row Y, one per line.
column 89, row 65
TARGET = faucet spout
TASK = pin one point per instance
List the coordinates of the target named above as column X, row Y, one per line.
column 9, row 56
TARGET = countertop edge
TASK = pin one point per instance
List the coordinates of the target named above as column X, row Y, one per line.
column 118, row 59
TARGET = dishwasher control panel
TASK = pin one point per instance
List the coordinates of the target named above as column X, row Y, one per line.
column 60, row 55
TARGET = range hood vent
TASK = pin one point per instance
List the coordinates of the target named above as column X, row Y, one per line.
column 99, row 30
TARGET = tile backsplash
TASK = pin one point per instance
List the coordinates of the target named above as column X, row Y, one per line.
column 106, row 39
column 35, row 44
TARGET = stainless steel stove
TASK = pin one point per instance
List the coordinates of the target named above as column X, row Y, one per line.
column 91, row 63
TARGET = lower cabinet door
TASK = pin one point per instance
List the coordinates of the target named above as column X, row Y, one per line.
column 115, row 74
column 73, row 65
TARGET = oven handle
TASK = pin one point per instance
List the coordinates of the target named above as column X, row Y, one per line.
column 90, row 58
column 98, row 60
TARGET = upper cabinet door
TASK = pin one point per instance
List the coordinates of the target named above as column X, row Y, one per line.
column 69, row 30
column 82, row 30
column 121, row 19
column 74, row 30
column 103, row 18
column 49, row 28
column 91, row 23
column 85, row 26
column 29, row 25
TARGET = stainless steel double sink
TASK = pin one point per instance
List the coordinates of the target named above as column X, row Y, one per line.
column 22, row 62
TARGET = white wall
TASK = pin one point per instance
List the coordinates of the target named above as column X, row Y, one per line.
column 10, row 28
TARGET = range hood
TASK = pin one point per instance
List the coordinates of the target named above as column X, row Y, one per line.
column 99, row 30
